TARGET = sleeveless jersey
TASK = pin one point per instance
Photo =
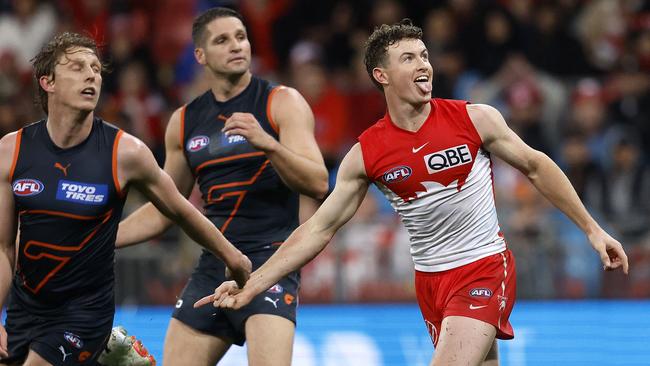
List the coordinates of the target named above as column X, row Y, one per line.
column 243, row 195
column 439, row 180
column 69, row 205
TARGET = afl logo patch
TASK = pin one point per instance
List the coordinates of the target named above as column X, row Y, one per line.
column 397, row 174
column 197, row 143
column 275, row 289
column 27, row 187
column 73, row 339
column 480, row 292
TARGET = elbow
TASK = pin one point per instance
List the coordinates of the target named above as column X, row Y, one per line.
column 320, row 189
column 315, row 187
column 532, row 168
column 321, row 185
column 322, row 234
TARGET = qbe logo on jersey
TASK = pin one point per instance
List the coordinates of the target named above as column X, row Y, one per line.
column 448, row 158
column 84, row 193
column 27, row 187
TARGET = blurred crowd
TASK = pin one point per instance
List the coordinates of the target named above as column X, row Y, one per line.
column 571, row 77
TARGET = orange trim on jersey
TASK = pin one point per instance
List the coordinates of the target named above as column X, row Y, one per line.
column 268, row 108
column 241, row 194
column 65, row 214
column 62, row 260
column 116, row 181
column 228, row 158
column 182, row 131
column 19, row 136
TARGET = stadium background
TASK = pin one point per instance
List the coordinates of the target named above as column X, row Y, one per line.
column 572, row 78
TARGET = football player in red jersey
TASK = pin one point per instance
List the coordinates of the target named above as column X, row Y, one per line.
column 441, row 149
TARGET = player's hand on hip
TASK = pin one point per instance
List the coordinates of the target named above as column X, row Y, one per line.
column 4, row 352
column 245, row 125
column 610, row 251
column 241, row 272
column 228, row 296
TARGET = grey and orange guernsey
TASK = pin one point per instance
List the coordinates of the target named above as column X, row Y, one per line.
column 69, row 202
column 245, row 199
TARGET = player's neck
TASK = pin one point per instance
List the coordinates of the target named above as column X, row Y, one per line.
column 226, row 87
column 68, row 128
column 407, row 116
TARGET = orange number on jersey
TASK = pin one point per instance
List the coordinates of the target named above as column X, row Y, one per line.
column 38, row 250
column 239, row 194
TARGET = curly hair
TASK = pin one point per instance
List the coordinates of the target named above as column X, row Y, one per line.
column 384, row 36
column 48, row 57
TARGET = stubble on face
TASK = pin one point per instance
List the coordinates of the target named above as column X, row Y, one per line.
column 227, row 49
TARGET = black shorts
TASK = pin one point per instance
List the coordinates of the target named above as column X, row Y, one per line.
column 281, row 300
column 67, row 338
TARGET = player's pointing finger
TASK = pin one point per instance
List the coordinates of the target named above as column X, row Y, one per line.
column 204, row 301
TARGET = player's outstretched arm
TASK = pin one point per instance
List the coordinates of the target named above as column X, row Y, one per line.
column 307, row 240
column 295, row 156
column 147, row 222
column 137, row 167
column 547, row 177
column 8, row 227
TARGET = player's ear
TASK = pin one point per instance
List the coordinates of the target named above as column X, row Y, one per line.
column 380, row 75
column 47, row 83
column 199, row 55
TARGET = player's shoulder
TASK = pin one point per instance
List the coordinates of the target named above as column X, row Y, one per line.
column 485, row 117
column 276, row 90
column 281, row 95
column 9, row 140
column 287, row 104
column 377, row 129
column 8, row 144
column 130, row 150
column 178, row 115
column 200, row 101
column 482, row 111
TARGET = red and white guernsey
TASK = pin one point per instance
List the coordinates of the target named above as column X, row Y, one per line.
column 439, row 180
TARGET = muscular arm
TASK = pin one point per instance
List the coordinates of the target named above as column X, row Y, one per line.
column 547, row 177
column 137, row 167
column 307, row 240
column 295, row 156
column 8, row 224
column 147, row 222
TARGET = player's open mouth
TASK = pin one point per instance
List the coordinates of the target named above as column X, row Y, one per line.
column 423, row 83
column 89, row 91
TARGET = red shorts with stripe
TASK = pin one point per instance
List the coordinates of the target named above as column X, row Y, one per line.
column 483, row 290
